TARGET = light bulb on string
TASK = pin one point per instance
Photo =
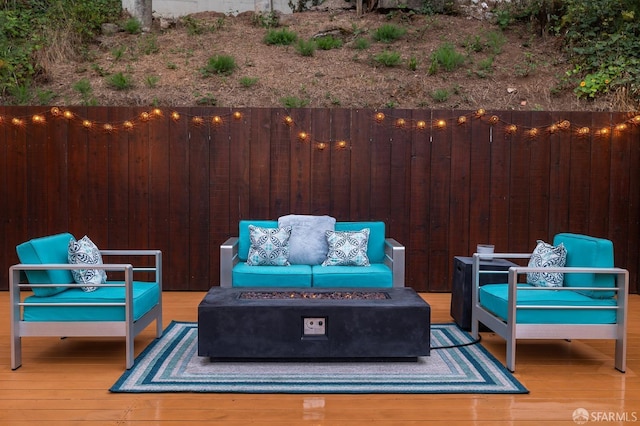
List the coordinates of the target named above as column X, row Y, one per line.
column 421, row 125
column 379, row 117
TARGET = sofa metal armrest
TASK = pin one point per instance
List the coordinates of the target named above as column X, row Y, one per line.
column 395, row 259
column 228, row 259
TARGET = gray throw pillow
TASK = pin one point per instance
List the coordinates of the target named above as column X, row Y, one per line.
column 308, row 242
column 545, row 255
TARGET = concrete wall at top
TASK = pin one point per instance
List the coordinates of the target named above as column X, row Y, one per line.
column 177, row 8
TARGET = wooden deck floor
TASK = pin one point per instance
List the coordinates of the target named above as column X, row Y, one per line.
column 66, row 382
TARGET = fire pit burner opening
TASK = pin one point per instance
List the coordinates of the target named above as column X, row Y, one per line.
column 334, row 295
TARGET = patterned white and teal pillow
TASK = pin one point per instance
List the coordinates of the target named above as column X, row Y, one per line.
column 84, row 251
column 545, row 255
column 269, row 246
column 347, row 248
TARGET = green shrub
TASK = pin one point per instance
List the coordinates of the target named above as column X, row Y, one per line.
column 388, row 33
column 120, row 81
column 446, row 57
column 440, row 95
column 248, row 81
column 280, row 37
column 293, row 102
column 388, row 59
column 132, row 26
column 306, row 47
column 361, row 43
column 328, row 42
column 219, row 64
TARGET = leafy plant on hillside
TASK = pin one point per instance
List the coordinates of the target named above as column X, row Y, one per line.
column 31, row 30
column 603, row 40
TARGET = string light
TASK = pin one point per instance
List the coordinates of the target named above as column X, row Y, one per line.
column 38, row 119
column 532, row 133
column 584, row 131
column 379, row 117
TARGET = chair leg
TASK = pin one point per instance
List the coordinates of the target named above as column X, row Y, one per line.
column 511, row 354
column 621, row 355
column 16, row 352
column 129, row 350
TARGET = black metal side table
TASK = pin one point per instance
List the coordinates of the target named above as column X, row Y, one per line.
column 462, row 282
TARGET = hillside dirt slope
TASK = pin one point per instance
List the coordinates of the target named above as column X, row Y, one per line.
column 515, row 69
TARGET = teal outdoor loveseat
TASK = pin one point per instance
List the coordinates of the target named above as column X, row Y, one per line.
column 386, row 262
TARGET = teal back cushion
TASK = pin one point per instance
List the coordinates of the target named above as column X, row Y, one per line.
column 375, row 249
column 50, row 249
column 584, row 250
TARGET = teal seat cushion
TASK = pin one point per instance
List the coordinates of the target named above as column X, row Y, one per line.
column 145, row 297
column 587, row 251
column 376, row 275
column 50, row 249
column 375, row 249
column 493, row 297
column 271, row 276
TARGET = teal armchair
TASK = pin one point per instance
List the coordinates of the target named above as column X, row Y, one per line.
column 591, row 303
column 57, row 306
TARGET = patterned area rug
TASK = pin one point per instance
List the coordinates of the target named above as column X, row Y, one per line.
column 172, row 364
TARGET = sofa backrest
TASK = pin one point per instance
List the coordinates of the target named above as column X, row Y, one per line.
column 375, row 249
column 587, row 251
column 50, row 249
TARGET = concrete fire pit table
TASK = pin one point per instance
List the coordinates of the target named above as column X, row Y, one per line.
column 268, row 323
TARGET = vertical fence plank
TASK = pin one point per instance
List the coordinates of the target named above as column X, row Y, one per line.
column 438, row 244
column 320, row 166
column 417, row 244
column 340, row 171
column 380, row 159
column 460, row 187
column 359, row 206
column 260, row 161
column 480, row 179
column 292, row 165
column 539, row 188
column 520, row 182
column 199, row 193
column 178, row 257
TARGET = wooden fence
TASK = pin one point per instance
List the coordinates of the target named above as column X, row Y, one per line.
column 444, row 181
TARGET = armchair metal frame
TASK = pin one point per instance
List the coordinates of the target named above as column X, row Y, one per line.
column 127, row 328
column 511, row 330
